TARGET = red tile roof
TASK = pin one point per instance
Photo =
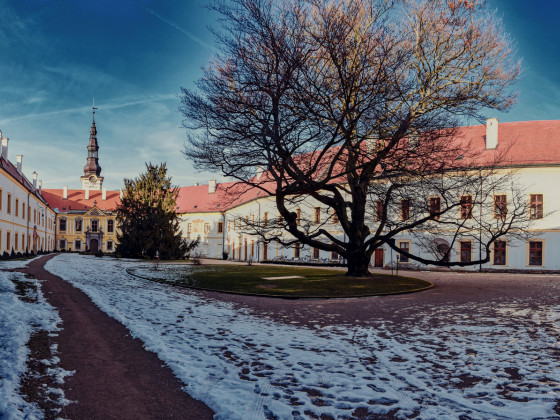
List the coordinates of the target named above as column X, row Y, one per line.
column 21, row 178
column 526, row 143
column 76, row 200
column 196, row 198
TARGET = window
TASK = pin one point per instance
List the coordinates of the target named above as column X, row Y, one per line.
column 62, row 225
column 500, row 207
column 1, row 194
column 466, row 251
column 536, row 206
column 16, row 243
column 206, row 227
column 317, row 215
column 110, row 246
column 405, row 246
column 189, row 227
column 297, row 250
column 405, row 209
column 280, row 220
column 252, row 249
column 78, row 225
column 23, row 210
column 378, row 211
column 500, row 253
column 335, row 256
column 8, row 241
column 62, row 244
column 78, row 245
column 466, row 207
column 535, row 253
column 334, row 217
column 298, row 217
column 9, row 209
column 17, row 206
column 34, row 215
column 316, row 253
column 220, row 227
column 110, row 226
column 434, row 207
column 265, row 219
column 94, row 225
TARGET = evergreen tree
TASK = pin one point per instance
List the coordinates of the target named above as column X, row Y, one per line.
column 147, row 220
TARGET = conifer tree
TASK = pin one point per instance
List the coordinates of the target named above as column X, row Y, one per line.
column 147, row 220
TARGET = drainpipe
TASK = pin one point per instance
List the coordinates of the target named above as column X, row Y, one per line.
column 224, row 234
column 27, row 229
column 480, row 225
column 259, row 222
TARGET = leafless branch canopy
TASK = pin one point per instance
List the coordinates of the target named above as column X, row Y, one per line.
column 351, row 103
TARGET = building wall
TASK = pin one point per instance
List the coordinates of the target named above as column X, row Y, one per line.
column 535, row 180
column 20, row 211
column 71, row 238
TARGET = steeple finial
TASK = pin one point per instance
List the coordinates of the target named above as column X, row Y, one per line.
column 94, row 108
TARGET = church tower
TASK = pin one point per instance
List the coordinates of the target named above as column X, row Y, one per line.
column 92, row 179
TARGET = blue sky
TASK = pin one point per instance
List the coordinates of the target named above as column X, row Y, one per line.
column 133, row 56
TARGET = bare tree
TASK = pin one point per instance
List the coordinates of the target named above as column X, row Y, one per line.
column 354, row 106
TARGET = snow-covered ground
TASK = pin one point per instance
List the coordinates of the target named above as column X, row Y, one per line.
column 18, row 320
column 475, row 361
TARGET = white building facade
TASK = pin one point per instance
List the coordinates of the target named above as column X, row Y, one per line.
column 531, row 150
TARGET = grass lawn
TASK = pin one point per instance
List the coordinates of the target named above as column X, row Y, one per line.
column 263, row 280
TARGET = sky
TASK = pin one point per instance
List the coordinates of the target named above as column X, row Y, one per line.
column 133, row 56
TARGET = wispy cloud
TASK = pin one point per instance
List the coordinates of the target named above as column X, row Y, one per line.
column 78, row 110
column 175, row 26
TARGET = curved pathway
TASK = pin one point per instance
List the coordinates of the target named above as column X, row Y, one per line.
column 115, row 377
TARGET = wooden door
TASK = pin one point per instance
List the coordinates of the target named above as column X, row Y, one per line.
column 378, row 257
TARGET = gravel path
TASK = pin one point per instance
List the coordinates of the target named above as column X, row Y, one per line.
column 115, row 378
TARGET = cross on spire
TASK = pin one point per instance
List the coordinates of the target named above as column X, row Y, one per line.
column 94, row 108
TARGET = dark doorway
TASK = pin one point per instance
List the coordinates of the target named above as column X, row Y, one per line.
column 378, row 257
column 93, row 246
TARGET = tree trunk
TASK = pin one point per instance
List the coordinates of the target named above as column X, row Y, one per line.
column 358, row 265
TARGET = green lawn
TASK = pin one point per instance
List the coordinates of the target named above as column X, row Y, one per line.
column 311, row 282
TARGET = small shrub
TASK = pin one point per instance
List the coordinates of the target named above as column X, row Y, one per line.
column 225, row 255
column 197, row 259
column 99, row 254
column 19, row 255
column 13, row 253
column 250, row 261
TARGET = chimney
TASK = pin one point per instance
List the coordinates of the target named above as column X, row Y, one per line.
column 65, row 192
column 87, row 194
column 212, row 186
column 5, row 141
column 104, row 194
column 40, row 186
column 121, row 195
column 34, row 180
column 260, row 171
column 491, row 133
column 19, row 164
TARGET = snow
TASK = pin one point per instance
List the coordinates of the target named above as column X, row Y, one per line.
column 18, row 320
column 497, row 360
